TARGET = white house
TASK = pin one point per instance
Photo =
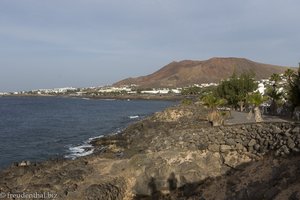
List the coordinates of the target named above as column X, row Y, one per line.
column 261, row 88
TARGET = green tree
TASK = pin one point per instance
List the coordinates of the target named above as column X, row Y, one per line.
column 275, row 78
column 194, row 90
column 256, row 99
column 276, row 97
column 294, row 89
column 289, row 74
column 235, row 89
column 274, row 93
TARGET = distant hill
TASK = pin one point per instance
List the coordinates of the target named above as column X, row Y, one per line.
column 188, row 72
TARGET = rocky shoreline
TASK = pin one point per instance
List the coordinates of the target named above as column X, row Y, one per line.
column 174, row 154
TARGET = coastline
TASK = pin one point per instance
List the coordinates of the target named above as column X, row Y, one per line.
column 178, row 146
column 118, row 97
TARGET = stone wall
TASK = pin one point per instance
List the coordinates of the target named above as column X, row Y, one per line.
column 282, row 138
column 194, row 155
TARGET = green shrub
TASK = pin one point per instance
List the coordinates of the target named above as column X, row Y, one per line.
column 186, row 102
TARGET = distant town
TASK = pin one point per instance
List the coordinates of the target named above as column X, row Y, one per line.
column 128, row 90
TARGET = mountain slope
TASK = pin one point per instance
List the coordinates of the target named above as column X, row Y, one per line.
column 188, row 72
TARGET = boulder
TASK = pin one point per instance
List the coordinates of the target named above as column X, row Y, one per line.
column 291, row 144
column 251, row 143
column 296, row 130
column 239, row 146
column 256, row 147
column 225, row 148
column 213, row 147
column 230, row 142
column 234, row 159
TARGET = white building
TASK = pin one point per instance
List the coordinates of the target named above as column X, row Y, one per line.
column 114, row 89
column 176, row 91
column 261, row 88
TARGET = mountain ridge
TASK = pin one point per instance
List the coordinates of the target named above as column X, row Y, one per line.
column 189, row 72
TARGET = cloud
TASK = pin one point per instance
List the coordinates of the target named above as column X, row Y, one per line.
column 139, row 36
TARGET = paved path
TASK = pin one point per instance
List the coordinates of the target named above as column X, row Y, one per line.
column 242, row 117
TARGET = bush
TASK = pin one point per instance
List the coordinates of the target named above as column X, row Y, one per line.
column 186, row 102
column 235, row 89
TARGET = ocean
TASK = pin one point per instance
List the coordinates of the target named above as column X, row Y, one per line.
column 39, row 128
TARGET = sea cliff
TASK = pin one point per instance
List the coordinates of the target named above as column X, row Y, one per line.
column 174, row 154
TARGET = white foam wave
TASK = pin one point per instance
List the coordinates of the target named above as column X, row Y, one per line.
column 134, row 117
column 93, row 138
column 84, row 149
column 79, row 151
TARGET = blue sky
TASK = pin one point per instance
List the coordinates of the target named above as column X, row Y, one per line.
column 56, row 43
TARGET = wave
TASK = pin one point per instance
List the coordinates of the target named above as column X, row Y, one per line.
column 84, row 149
column 134, row 117
column 93, row 138
column 79, row 151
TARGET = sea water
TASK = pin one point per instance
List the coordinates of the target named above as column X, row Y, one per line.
column 39, row 128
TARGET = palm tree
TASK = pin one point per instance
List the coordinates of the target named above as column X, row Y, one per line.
column 256, row 99
column 294, row 91
column 276, row 78
column 213, row 102
column 276, row 98
column 289, row 74
column 273, row 92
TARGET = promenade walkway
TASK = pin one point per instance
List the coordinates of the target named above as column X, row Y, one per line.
column 242, row 118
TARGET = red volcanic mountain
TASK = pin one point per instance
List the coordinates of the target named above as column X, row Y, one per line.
column 188, row 72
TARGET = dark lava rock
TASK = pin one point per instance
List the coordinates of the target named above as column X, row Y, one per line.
column 230, row 142
column 225, row 148
column 202, row 146
column 256, row 147
column 252, row 143
column 114, row 190
column 214, row 147
column 291, row 143
column 295, row 196
column 285, row 149
column 296, row 130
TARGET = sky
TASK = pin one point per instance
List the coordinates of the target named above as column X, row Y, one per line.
column 81, row 43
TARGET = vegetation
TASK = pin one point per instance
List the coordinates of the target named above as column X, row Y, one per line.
column 289, row 74
column 274, row 93
column 212, row 102
column 275, row 78
column 256, row 99
column 294, row 88
column 235, row 89
column 187, row 102
column 194, row 90
column 241, row 91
